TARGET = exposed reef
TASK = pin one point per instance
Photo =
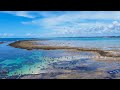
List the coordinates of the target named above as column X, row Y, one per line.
column 32, row 44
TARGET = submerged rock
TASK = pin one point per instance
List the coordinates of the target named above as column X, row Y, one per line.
column 3, row 72
column 1, row 42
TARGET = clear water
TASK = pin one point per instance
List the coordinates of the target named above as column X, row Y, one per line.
column 101, row 43
column 15, row 61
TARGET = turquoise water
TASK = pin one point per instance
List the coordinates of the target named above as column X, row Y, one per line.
column 15, row 61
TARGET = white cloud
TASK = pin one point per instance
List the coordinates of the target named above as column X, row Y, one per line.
column 37, row 35
column 24, row 14
column 29, row 34
column 73, row 22
column 6, row 35
column 20, row 13
column 68, row 15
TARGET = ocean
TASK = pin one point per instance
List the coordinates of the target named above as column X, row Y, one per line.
column 15, row 61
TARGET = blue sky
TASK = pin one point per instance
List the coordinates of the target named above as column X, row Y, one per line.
column 59, row 23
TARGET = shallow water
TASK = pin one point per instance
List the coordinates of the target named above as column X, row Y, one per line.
column 101, row 43
column 15, row 61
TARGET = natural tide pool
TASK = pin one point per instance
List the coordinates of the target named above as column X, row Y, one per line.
column 14, row 61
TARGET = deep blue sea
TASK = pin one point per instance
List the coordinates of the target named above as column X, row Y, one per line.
column 15, row 61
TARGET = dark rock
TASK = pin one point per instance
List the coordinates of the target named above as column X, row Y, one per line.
column 116, row 71
column 1, row 42
column 3, row 71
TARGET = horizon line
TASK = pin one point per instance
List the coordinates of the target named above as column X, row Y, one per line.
column 61, row 37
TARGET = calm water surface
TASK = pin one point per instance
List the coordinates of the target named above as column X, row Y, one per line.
column 15, row 61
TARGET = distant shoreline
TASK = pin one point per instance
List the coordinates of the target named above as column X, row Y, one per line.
column 93, row 37
column 69, row 37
